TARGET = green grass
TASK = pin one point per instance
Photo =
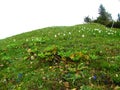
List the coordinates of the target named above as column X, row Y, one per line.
column 81, row 57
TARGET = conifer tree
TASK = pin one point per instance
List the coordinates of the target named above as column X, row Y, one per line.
column 104, row 17
column 118, row 18
column 87, row 19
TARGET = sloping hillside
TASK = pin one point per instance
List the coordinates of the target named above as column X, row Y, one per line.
column 81, row 57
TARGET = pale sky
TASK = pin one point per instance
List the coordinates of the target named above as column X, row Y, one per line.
column 18, row 16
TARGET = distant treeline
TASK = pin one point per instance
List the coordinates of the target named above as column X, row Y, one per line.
column 104, row 18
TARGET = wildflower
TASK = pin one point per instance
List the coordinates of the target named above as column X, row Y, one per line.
column 31, row 62
column 55, row 36
column 58, row 33
column 70, row 33
column 90, row 78
column 117, row 88
column 37, row 39
column 93, row 33
column 14, row 40
column 20, row 75
column 1, row 65
column 116, row 75
column 109, row 33
column 32, row 57
column 5, row 80
column 35, row 54
column 99, row 31
column 29, row 50
column 50, row 67
column 94, row 77
column 32, row 39
column 60, row 81
column 83, row 35
column 96, row 29
column 43, row 78
column 26, row 40
column 74, row 89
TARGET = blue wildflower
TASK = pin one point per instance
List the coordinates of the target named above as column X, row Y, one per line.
column 20, row 75
column 94, row 77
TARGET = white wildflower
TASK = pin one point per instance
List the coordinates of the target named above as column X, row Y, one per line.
column 4, row 80
column 58, row 33
column 14, row 40
column 32, row 39
column 109, row 33
column 32, row 57
column 99, row 31
column 35, row 54
column 26, row 40
column 37, row 39
column 1, row 65
column 55, row 36
column 90, row 78
column 83, row 35
column 31, row 62
column 29, row 50
column 70, row 33
column 96, row 29
column 116, row 75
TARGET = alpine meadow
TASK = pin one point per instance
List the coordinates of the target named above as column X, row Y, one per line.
column 80, row 57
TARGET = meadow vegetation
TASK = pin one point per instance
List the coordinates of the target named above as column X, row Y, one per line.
column 80, row 57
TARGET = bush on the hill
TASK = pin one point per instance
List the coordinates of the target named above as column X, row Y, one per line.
column 115, row 24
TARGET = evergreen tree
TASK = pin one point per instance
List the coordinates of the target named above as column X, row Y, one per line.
column 104, row 17
column 87, row 19
column 118, row 18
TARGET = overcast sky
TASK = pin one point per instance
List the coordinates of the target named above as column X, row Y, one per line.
column 17, row 16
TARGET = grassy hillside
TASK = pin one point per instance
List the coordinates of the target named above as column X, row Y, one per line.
column 81, row 57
